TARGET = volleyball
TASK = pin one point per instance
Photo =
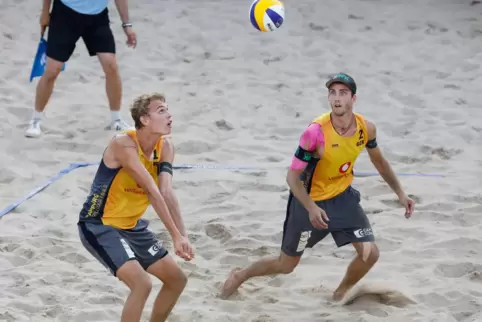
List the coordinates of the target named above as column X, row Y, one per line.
column 267, row 15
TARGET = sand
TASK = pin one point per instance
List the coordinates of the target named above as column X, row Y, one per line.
column 242, row 97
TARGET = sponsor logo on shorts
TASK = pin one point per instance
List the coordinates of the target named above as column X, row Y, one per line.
column 155, row 248
column 363, row 232
column 127, row 248
column 303, row 240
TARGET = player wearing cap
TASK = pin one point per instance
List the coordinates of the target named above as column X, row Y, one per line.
column 321, row 199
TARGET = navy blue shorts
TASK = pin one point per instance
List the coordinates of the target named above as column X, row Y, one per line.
column 113, row 247
column 348, row 223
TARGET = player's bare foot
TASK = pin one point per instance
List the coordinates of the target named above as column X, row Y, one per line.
column 233, row 282
column 339, row 294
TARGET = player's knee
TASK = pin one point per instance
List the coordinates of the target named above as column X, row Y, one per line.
column 144, row 284
column 179, row 283
column 109, row 64
column 141, row 286
column 52, row 70
column 375, row 254
column 286, row 265
column 138, row 281
column 370, row 253
column 177, row 280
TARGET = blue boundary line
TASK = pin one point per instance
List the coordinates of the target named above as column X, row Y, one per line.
column 74, row 166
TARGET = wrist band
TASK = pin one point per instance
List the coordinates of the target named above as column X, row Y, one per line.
column 126, row 24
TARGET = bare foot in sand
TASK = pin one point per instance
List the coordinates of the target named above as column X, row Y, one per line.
column 340, row 293
column 233, row 282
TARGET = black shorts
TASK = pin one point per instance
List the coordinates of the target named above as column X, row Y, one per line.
column 67, row 26
column 113, row 247
column 348, row 223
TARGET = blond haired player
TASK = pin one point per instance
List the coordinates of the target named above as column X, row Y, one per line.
column 322, row 200
column 135, row 172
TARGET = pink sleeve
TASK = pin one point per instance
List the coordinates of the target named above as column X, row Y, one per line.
column 311, row 138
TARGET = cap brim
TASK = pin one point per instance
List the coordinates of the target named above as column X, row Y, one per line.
column 339, row 81
column 333, row 81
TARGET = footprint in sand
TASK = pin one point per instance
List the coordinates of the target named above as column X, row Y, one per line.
column 468, row 270
column 360, row 296
column 217, row 231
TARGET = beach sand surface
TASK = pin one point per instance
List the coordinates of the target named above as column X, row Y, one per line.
column 242, row 97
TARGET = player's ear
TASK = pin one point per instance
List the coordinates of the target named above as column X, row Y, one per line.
column 144, row 119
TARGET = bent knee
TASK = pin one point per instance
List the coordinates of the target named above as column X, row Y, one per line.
column 287, row 264
column 177, row 280
column 135, row 278
column 143, row 285
column 370, row 253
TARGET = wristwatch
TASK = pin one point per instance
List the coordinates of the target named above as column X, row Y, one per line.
column 126, row 24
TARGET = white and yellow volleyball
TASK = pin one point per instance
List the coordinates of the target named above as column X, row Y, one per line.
column 267, row 15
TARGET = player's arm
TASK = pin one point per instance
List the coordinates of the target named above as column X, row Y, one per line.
column 311, row 142
column 46, row 6
column 123, row 9
column 379, row 161
column 125, row 151
column 165, row 184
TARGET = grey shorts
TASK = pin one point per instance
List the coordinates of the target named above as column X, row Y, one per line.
column 113, row 247
column 348, row 223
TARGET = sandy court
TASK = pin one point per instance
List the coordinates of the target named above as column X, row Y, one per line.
column 242, row 97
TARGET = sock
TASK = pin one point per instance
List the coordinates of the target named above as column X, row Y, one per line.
column 115, row 115
column 37, row 115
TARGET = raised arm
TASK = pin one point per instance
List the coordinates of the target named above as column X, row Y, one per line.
column 165, row 184
column 385, row 170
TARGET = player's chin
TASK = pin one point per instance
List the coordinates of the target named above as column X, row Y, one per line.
column 167, row 130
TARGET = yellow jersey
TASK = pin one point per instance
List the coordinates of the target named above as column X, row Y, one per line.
column 115, row 198
column 333, row 173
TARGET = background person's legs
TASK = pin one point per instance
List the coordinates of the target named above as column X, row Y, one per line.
column 64, row 31
column 99, row 40
column 43, row 93
column 113, row 87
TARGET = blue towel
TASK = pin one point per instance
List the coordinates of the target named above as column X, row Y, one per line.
column 38, row 66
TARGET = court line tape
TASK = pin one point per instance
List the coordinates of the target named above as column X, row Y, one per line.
column 74, row 166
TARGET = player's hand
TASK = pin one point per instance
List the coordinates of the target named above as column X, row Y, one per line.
column 318, row 217
column 183, row 248
column 408, row 203
column 44, row 21
column 131, row 37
